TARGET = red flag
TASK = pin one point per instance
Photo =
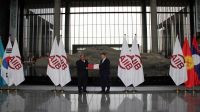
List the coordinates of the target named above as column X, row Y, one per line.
column 192, row 76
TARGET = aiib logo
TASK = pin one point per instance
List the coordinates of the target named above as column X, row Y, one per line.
column 15, row 62
column 57, row 62
column 177, row 61
column 130, row 61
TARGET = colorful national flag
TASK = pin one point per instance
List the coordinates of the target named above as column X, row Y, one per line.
column 196, row 56
column 16, row 70
column 2, row 82
column 5, row 64
column 192, row 76
column 177, row 69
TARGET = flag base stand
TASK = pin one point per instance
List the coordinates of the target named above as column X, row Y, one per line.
column 58, row 91
column 126, row 90
column 61, row 91
column 134, row 90
column 54, row 90
column 185, row 91
column 193, row 92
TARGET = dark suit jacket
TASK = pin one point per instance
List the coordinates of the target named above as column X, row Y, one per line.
column 81, row 68
column 104, row 68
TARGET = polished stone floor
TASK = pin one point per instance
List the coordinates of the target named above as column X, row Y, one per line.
column 29, row 100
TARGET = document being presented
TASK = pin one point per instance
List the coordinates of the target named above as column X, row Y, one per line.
column 93, row 66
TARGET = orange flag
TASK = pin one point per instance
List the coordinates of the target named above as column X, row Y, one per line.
column 192, row 76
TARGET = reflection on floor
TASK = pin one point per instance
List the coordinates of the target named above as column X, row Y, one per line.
column 48, row 101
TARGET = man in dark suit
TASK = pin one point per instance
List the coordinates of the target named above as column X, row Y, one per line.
column 104, row 71
column 82, row 73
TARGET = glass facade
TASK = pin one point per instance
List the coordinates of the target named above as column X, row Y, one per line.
column 104, row 25
column 92, row 23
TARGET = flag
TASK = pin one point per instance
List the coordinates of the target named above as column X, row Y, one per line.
column 191, row 74
column 53, row 67
column 125, row 64
column 196, row 57
column 177, row 70
column 65, row 76
column 93, row 66
column 137, row 68
column 5, row 62
column 2, row 82
column 15, row 68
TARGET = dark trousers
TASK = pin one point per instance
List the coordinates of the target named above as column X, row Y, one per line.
column 82, row 82
column 105, row 82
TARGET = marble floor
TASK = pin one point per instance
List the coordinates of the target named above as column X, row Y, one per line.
column 33, row 100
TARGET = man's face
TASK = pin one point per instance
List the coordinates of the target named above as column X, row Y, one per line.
column 102, row 56
column 82, row 57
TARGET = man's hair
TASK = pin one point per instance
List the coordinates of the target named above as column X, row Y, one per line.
column 103, row 53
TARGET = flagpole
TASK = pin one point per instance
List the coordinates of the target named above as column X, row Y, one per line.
column 126, row 91
column 8, row 89
column 62, row 91
column 134, row 90
column 1, row 89
column 185, row 91
column 193, row 91
column 54, row 89
column 177, row 90
column 16, row 89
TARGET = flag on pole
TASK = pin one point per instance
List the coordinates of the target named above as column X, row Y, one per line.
column 137, row 68
column 196, row 57
column 2, row 82
column 54, row 65
column 5, row 63
column 177, row 70
column 65, row 76
column 15, row 68
column 125, row 64
column 191, row 74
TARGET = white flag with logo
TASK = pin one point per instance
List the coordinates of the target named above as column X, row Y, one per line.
column 15, row 68
column 53, row 67
column 137, row 69
column 178, row 71
column 65, row 76
column 5, row 63
column 124, row 66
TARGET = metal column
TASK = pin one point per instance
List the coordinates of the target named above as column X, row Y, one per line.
column 57, row 5
column 154, row 34
column 144, row 27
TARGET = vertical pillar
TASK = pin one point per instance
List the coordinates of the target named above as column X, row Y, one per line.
column 154, row 34
column 21, row 40
column 197, row 17
column 67, row 34
column 13, row 19
column 191, row 8
column 4, row 20
column 144, row 26
column 57, row 5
